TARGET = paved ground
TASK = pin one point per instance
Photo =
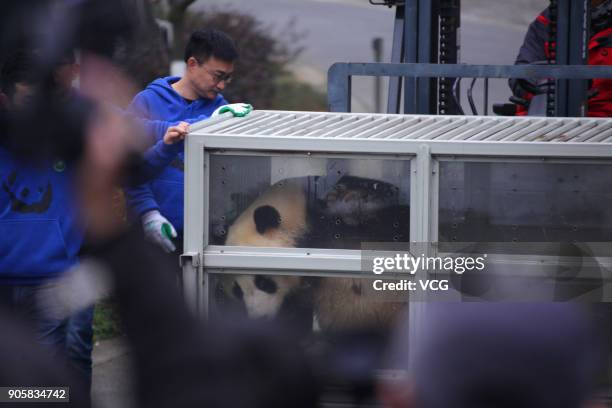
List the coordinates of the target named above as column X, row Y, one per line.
column 111, row 386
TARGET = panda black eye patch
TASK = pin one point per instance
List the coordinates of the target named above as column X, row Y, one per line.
column 266, row 217
column 265, row 284
column 237, row 291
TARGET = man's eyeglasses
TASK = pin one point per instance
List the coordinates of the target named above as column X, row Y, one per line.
column 219, row 76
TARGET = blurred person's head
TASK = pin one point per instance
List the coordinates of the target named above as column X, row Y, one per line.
column 66, row 72
column 210, row 57
column 20, row 77
column 18, row 80
column 481, row 355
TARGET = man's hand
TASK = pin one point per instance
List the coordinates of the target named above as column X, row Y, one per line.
column 524, row 88
column 237, row 109
column 158, row 229
column 176, row 133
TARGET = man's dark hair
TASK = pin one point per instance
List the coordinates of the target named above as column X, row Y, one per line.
column 207, row 43
column 17, row 67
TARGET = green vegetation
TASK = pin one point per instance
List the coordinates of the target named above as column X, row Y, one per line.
column 106, row 323
column 292, row 94
column 262, row 76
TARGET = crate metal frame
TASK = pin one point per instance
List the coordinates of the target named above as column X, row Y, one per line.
column 425, row 144
column 340, row 74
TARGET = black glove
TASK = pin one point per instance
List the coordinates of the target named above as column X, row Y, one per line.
column 522, row 87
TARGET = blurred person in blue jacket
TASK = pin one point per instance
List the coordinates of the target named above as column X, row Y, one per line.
column 40, row 235
column 79, row 326
column 209, row 58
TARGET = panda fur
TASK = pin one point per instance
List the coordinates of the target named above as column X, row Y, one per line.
column 340, row 304
column 278, row 218
column 283, row 216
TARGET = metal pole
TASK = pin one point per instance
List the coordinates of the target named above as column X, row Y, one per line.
column 448, row 53
column 377, row 45
column 411, row 46
column 339, row 88
column 427, row 32
column 562, row 53
column 486, row 96
column 578, row 55
column 397, row 56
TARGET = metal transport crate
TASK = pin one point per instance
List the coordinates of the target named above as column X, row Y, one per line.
column 443, row 179
column 515, row 168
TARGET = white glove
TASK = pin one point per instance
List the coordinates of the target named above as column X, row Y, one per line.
column 158, row 229
column 237, row 109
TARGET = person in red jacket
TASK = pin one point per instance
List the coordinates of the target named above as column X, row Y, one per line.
column 538, row 48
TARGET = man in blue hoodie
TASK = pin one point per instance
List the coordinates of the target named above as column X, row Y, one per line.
column 209, row 59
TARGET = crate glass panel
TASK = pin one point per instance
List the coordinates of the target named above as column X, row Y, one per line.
column 525, row 202
column 306, row 303
column 307, row 201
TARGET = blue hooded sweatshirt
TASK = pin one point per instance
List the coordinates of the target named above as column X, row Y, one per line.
column 40, row 236
column 159, row 101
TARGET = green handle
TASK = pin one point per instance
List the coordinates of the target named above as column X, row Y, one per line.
column 167, row 231
column 247, row 109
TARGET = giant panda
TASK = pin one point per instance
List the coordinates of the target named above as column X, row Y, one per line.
column 278, row 218
column 287, row 214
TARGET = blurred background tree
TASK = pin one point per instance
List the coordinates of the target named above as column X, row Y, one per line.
column 146, row 55
column 264, row 56
column 262, row 76
column 262, row 69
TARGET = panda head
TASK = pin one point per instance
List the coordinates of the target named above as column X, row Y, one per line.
column 278, row 218
column 264, row 296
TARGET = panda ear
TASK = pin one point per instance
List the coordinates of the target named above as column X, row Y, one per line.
column 266, row 217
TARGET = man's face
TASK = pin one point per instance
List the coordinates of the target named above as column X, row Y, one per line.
column 210, row 77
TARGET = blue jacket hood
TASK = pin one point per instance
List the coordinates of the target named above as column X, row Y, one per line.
column 163, row 89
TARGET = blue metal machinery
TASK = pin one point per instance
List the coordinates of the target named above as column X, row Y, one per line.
column 339, row 78
column 426, row 33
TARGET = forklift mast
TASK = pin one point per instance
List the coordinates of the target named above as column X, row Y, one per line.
column 427, row 31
